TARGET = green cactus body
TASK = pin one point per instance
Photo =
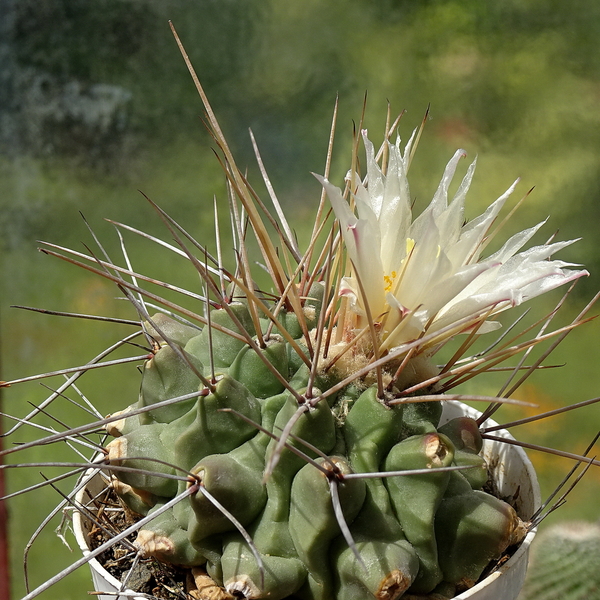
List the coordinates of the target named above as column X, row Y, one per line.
column 165, row 328
column 477, row 473
column 465, row 435
column 316, row 427
column 289, row 321
column 284, row 572
column 458, row 484
column 421, row 417
column 164, row 539
column 389, row 570
column 370, row 430
column 224, row 346
column 270, row 408
column 238, row 489
column 400, row 525
column 313, row 524
column 138, row 501
column 126, row 423
column 250, row 370
column 472, row 529
column 281, row 576
column 142, row 449
column 167, row 375
column 416, row 498
column 207, row 429
column 235, row 480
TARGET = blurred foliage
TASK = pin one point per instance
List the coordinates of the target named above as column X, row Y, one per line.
column 78, row 39
column 97, row 103
column 516, row 82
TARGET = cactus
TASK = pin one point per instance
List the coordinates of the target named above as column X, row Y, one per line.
column 298, row 427
column 564, row 563
column 400, row 525
column 300, row 391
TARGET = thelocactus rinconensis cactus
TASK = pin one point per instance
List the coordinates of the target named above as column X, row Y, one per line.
column 315, row 468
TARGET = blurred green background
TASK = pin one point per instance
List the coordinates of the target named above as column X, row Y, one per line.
column 96, row 104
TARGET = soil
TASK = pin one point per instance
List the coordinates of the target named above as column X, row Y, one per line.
column 147, row 576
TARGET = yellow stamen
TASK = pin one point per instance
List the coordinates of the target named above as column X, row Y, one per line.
column 389, row 281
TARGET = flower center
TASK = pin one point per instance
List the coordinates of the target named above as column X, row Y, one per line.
column 389, row 280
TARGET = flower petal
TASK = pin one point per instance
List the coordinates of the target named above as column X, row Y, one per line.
column 468, row 247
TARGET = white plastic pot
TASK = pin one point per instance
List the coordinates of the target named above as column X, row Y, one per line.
column 103, row 580
column 514, row 476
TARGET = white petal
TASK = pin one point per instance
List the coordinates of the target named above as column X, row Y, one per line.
column 440, row 198
column 540, row 253
column 448, row 289
column 515, row 243
column 408, row 148
column 375, row 178
column 467, row 249
column 361, row 237
column 476, row 304
column 396, row 214
column 546, row 283
column 451, row 220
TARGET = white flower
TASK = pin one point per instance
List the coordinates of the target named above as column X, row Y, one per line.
column 422, row 275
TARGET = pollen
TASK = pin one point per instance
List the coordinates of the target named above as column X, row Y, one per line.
column 388, row 281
